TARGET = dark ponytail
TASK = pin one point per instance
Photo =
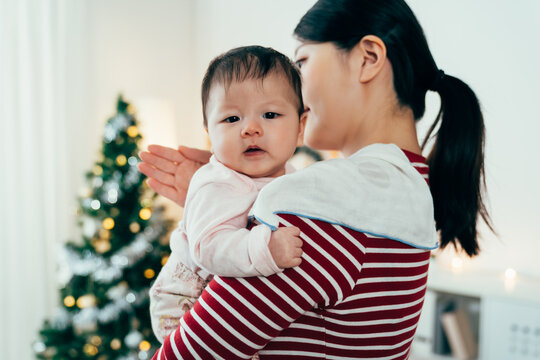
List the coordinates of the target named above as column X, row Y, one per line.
column 456, row 161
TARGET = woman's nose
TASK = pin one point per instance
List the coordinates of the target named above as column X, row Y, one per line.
column 252, row 127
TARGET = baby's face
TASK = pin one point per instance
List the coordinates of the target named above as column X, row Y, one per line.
column 254, row 126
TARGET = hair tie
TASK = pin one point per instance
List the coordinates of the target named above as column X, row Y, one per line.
column 438, row 80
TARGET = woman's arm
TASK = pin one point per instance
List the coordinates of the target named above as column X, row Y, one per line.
column 234, row 318
column 170, row 170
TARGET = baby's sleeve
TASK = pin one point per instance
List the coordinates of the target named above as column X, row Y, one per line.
column 234, row 252
column 218, row 239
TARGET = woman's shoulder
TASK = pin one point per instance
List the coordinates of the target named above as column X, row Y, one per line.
column 372, row 164
column 333, row 180
column 376, row 191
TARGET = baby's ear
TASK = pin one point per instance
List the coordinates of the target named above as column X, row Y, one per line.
column 303, row 119
column 208, row 142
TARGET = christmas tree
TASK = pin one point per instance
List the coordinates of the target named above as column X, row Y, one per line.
column 105, row 276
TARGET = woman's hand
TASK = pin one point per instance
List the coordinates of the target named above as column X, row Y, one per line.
column 170, row 170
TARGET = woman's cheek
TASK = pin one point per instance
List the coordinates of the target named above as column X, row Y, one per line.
column 310, row 133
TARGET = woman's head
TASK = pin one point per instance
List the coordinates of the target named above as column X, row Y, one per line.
column 387, row 68
column 344, row 23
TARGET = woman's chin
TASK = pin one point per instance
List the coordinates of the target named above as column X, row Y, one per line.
column 316, row 143
column 311, row 138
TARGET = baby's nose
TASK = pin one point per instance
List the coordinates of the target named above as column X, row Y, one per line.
column 252, row 127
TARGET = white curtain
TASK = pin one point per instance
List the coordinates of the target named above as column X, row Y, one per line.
column 36, row 198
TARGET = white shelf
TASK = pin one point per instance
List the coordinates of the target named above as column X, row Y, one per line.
column 482, row 284
column 508, row 312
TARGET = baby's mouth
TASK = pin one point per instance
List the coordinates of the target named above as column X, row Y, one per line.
column 252, row 150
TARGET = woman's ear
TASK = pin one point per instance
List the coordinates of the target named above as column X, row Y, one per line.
column 370, row 54
column 303, row 119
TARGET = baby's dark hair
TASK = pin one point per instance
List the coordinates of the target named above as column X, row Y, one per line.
column 250, row 62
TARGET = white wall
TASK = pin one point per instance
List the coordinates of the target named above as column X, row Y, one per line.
column 158, row 51
column 144, row 50
column 223, row 25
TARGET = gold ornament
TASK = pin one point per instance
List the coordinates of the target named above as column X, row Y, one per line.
column 86, row 301
column 121, row 160
column 146, row 203
column 144, row 345
column 104, row 234
column 97, row 170
column 69, row 301
column 90, row 349
column 108, row 223
column 145, row 213
column 115, row 344
column 95, row 340
column 132, row 131
column 134, row 227
column 149, row 273
column 101, row 245
column 164, row 260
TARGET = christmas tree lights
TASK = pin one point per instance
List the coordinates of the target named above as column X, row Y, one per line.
column 106, row 275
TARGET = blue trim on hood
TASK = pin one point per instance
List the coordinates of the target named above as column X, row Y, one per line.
column 274, row 228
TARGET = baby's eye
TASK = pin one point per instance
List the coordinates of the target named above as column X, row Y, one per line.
column 299, row 63
column 232, row 119
column 270, row 115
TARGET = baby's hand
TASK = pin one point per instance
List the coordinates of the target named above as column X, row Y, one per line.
column 286, row 247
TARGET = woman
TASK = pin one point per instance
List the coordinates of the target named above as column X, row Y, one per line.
column 366, row 220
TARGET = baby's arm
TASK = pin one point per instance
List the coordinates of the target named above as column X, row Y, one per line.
column 286, row 247
column 229, row 250
column 220, row 243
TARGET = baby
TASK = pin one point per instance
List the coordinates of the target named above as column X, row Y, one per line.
column 252, row 108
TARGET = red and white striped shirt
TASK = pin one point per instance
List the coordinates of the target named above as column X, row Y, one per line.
column 355, row 296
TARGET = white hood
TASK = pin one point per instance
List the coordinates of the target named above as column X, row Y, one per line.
column 376, row 191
